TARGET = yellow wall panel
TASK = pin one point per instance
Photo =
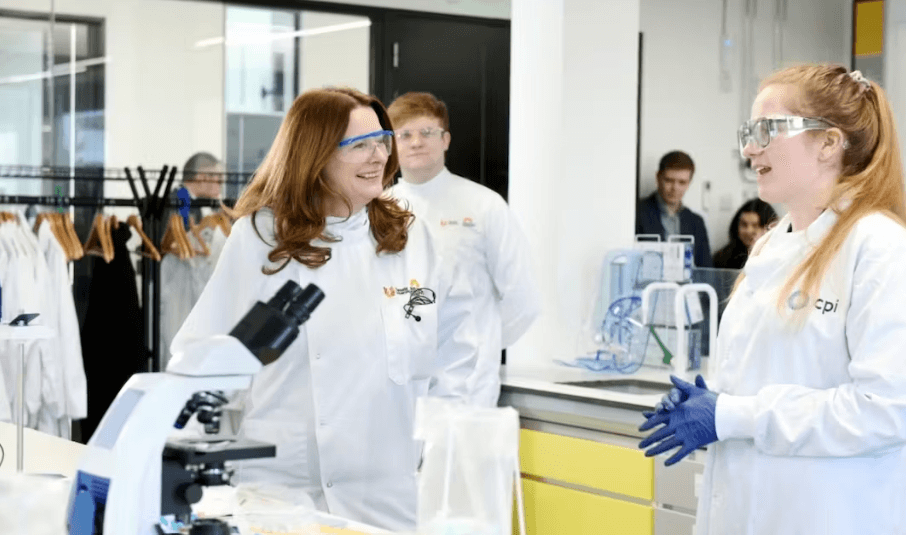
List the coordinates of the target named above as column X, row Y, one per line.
column 869, row 38
column 590, row 464
column 553, row 510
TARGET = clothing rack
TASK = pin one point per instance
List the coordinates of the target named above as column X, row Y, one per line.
column 151, row 208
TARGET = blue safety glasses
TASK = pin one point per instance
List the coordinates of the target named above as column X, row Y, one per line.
column 359, row 149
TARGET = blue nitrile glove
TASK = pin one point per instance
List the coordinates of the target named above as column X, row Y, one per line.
column 689, row 426
column 670, row 400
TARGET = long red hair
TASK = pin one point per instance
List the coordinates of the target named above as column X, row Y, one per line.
column 290, row 181
column 871, row 180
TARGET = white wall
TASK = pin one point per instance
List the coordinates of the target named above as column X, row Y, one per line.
column 572, row 153
column 340, row 58
column 683, row 105
column 895, row 64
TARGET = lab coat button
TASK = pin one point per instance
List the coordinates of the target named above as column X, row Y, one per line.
column 317, row 356
column 329, row 485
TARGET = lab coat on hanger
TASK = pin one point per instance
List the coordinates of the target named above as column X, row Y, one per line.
column 182, row 282
column 340, row 402
column 29, row 278
column 6, row 370
column 812, row 422
column 66, row 324
column 483, row 233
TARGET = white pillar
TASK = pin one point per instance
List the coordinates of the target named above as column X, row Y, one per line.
column 573, row 117
column 895, row 64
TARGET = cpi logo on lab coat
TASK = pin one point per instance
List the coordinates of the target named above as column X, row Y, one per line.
column 800, row 300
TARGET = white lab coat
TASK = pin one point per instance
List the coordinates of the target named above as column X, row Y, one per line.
column 812, row 423
column 182, row 282
column 476, row 223
column 66, row 324
column 339, row 404
column 29, row 287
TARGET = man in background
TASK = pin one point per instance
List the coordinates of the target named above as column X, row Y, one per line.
column 182, row 281
column 202, row 176
column 477, row 228
column 663, row 212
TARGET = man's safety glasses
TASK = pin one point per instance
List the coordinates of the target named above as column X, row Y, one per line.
column 405, row 136
column 762, row 131
column 359, row 149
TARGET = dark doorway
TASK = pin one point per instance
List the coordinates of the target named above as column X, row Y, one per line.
column 465, row 63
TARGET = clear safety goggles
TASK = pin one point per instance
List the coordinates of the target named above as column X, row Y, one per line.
column 405, row 136
column 762, row 131
column 359, row 149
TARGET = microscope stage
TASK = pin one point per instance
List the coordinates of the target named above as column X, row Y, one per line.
column 208, row 450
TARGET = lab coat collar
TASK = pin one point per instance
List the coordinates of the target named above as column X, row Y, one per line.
column 354, row 227
column 783, row 250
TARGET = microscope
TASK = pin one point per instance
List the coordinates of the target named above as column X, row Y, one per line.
column 130, row 475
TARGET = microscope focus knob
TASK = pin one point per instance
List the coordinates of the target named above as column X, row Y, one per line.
column 190, row 492
column 209, row 526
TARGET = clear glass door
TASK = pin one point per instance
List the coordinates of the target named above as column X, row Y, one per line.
column 271, row 57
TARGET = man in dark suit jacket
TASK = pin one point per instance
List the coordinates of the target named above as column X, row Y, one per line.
column 663, row 212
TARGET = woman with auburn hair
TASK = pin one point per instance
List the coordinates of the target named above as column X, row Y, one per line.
column 394, row 324
column 805, row 419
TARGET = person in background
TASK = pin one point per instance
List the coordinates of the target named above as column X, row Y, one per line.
column 182, row 281
column 805, row 417
column 476, row 224
column 749, row 224
column 395, row 324
column 202, row 176
column 663, row 213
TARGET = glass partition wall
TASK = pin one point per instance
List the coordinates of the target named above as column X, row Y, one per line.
column 271, row 56
column 106, row 84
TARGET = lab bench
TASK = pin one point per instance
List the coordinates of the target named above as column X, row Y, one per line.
column 582, row 470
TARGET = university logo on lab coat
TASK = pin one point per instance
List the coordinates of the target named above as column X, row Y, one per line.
column 390, row 291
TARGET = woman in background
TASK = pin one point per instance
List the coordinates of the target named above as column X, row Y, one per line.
column 749, row 224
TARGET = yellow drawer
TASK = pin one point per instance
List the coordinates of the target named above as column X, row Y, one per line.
column 584, row 462
column 553, row 510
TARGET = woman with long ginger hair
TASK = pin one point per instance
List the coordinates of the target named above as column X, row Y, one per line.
column 805, row 417
column 394, row 324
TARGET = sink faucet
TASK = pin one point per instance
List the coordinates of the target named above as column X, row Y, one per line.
column 650, row 289
column 681, row 362
column 680, row 359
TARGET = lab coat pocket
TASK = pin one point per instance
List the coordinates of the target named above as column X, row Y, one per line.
column 410, row 339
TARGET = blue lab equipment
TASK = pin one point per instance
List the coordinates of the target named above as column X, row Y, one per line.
column 622, row 340
column 689, row 426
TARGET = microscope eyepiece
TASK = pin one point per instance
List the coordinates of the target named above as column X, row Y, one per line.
column 269, row 328
column 285, row 295
column 304, row 303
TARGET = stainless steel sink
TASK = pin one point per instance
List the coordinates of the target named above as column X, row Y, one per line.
column 625, row 386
